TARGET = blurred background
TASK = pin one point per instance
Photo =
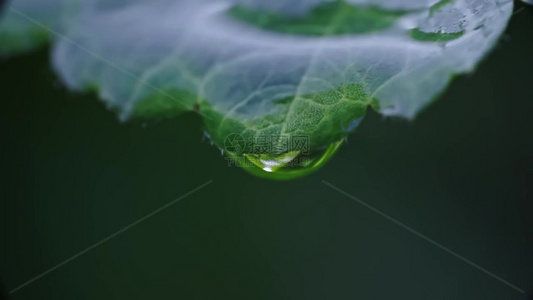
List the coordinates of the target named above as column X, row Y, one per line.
column 461, row 174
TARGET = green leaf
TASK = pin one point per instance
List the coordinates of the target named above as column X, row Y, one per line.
column 270, row 72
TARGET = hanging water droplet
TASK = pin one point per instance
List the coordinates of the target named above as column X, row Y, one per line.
column 285, row 166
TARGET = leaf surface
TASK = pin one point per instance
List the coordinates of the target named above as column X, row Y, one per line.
column 268, row 69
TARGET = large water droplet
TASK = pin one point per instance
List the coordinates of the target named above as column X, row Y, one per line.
column 285, row 166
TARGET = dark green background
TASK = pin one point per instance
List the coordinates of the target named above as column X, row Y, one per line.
column 462, row 174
